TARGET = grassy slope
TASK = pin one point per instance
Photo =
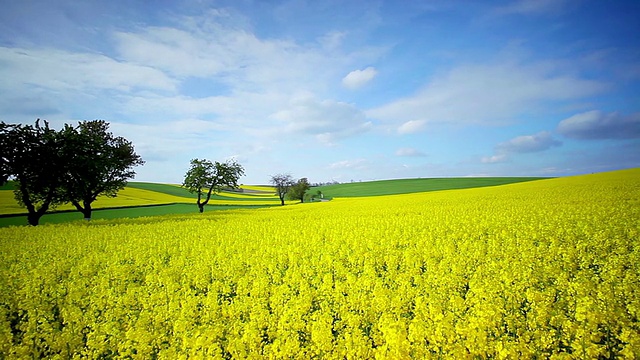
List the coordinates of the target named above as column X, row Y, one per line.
column 10, row 185
column 169, row 189
column 177, row 190
column 405, row 186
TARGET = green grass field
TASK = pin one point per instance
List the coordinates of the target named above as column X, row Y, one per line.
column 170, row 189
column 407, row 186
column 177, row 190
column 8, row 186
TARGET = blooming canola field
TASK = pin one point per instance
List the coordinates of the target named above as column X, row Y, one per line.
column 542, row 269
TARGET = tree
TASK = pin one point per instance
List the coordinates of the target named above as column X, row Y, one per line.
column 32, row 156
column 282, row 183
column 205, row 177
column 298, row 189
column 5, row 149
column 96, row 163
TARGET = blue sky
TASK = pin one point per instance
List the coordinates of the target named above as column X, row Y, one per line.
column 336, row 90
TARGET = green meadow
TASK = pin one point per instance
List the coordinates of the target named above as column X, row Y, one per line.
column 407, row 186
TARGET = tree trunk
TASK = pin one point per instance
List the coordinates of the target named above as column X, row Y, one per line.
column 34, row 218
column 32, row 214
column 200, row 203
column 87, row 210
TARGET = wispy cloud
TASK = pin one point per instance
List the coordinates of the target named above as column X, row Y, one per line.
column 327, row 120
column 66, row 71
column 595, row 125
column 409, row 151
column 484, row 94
column 234, row 56
column 220, row 44
column 494, row 159
column 522, row 144
column 412, row 126
column 359, row 78
column 529, row 143
column 349, row 164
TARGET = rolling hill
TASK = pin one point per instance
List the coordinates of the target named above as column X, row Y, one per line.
column 406, row 186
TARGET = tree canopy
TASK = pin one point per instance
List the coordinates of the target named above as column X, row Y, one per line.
column 5, row 149
column 97, row 163
column 299, row 189
column 206, row 178
column 282, row 183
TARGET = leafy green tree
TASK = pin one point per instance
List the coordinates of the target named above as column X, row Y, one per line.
column 5, row 149
column 206, row 178
column 96, row 163
column 282, row 183
column 298, row 189
column 32, row 156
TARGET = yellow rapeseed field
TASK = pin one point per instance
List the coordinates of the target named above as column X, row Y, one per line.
column 544, row 269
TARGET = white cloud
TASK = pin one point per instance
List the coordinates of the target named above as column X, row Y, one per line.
column 522, row 144
column 596, row 124
column 359, row 78
column 412, row 126
column 494, row 159
column 327, row 120
column 357, row 164
column 408, row 151
column 484, row 94
column 174, row 50
column 64, row 71
column 181, row 105
column 167, row 139
column 224, row 47
column 528, row 143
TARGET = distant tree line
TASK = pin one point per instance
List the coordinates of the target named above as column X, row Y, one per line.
column 332, row 182
column 73, row 165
